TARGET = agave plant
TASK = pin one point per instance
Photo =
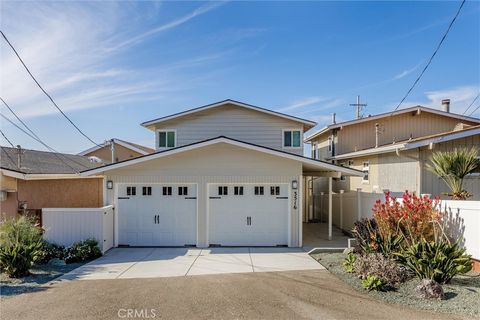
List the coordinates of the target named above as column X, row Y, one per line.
column 453, row 166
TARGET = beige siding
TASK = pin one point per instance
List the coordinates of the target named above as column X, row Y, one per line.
column 398, row 128
column 121, row 153
column 215, row 164
column 436, row 186
column 233, row 122
column 8, row 183
column 399, row 173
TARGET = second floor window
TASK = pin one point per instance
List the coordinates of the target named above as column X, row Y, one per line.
column 292, row 138
column 166, row 139
column 366, row 171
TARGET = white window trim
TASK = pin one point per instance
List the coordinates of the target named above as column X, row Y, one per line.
column 368, row 171
column 292, row 129
column 157, row 142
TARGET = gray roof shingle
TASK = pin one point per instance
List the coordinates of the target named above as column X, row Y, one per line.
column 43, row 162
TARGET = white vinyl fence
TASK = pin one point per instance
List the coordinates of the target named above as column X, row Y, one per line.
column 64, row 226
column 463, row 217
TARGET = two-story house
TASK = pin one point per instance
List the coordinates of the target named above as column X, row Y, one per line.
column 392, row 149
column 227, row 173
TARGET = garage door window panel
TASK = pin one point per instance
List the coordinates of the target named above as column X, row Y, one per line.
column 183, row 191
column 167, row 191
column 259, row 190
column 222, row 190
column 238, row 191
column 131, row 191
column 275, row 190
column 147, row 191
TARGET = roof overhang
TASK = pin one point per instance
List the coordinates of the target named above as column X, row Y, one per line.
column 316, row 134
column 43, row 176
column 309, row 165
column 410, row 145
column 306, row 123
column 116, row 141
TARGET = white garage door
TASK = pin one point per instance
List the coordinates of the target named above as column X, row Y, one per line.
column 248, row 214
column 157, row 214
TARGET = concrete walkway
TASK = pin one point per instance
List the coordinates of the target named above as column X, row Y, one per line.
column 130, row 263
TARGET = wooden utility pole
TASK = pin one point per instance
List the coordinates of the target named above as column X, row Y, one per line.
column 358, row 106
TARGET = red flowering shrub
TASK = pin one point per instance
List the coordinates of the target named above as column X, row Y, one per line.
column 415, row 218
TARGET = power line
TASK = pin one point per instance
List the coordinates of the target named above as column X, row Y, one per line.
column 36, row 136
column 40, row 141
column 6, row 152
column 471, row 104
column 45, row 92
column 431, row 58
column 3, row 134
column 478, row 107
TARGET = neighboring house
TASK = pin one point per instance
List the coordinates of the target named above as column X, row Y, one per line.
column 393, row 149
column 115, row 150
column 227, row 173
column 32, row 180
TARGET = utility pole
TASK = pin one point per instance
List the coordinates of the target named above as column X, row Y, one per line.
column 358, row 106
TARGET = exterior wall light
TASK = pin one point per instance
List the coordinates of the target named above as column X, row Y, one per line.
column 294, row 184
column 109, row 184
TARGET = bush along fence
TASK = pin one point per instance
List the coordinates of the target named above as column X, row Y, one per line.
column 462, row 217
column 405, row 239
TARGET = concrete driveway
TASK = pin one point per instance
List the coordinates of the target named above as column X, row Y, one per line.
column 128, row 263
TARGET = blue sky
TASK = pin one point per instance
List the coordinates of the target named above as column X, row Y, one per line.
column 113, row 65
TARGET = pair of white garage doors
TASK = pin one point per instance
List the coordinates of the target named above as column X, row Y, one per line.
column 238, row 214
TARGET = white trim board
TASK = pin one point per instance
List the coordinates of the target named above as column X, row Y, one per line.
column 308, row 123
column 319, row 164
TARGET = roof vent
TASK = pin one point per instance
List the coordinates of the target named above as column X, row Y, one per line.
column 334, row 120
column 446, row 105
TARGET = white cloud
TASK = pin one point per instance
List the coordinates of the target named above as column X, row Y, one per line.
column 406, row 72
column 299, row 104
column 68, row 47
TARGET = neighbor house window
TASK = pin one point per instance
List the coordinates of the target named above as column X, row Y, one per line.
column 330, row 143
column 131, row 191
column 167, row 191
column 183, row 191
column 238, row 191
column 275, row 190
column 314, row 151
column 292, row 138
column 259, row 191
column 166, row 139
column 366, row 171
column 222, row 190
column 147, row 191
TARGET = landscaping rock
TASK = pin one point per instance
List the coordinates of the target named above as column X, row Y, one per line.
column 430, row 289
column 56, row 262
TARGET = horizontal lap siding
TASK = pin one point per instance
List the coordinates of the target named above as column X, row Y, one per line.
column 233, row 122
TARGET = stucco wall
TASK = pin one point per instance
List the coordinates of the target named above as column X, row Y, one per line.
column 221, row 163
column 59, row 193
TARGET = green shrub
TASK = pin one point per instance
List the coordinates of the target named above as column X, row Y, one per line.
column 82, row 251
column 436, row 260
column 384, row 268
column 349, row 263
column 51, row 251
column 20, row 246
column 373, row 282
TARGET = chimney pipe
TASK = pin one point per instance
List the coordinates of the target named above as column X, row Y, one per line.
column 446, row 105
column 19, row 156
column 112, row 149
column 334, row 120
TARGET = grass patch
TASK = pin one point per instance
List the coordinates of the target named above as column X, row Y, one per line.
column 38, row 279
column 462, row 294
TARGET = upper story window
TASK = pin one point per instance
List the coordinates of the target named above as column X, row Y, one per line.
column 167, row 138
column 314, row 151
column 292, row 138
column 330, row 144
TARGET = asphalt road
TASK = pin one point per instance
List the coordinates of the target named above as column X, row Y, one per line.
column 314, row 294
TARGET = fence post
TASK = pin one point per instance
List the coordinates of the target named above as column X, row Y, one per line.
column 321, row 206
column 340, row 205
column 359, row 204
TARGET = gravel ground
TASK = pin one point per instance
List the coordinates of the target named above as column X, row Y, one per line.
column 462, row 294
column 36, row 281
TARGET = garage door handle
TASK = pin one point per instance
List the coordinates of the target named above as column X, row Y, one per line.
column 123, row 197
column 190, row 198
column 282, row 197
column 215, row 197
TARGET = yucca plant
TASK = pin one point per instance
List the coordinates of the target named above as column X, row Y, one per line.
column 453, row 166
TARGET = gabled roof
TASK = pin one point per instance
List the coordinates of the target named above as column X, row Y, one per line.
column 43, row 162
column 311, row 163
column 388, row 114
column 412, row 144
column 307, row 123
column 129, row 145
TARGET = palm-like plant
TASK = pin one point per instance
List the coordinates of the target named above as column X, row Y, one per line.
column 453, row 166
